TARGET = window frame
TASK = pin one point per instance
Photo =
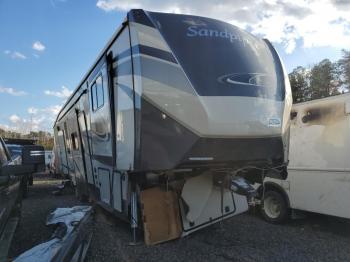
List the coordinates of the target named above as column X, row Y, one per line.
column 75, row 142
column 66, row 137
column 94, row 94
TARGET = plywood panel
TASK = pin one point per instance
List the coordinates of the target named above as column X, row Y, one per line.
column 161, row 218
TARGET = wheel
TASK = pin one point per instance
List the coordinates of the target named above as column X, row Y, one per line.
column 275, row 207
column 81, row 193
column 30, row 180
column 24, row 186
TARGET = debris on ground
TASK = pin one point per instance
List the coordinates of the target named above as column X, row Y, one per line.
column 70, row 239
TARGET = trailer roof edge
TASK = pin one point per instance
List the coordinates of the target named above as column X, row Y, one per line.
column 100, row 55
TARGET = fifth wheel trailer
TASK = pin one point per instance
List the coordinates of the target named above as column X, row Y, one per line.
column 174, row 110
column 319, row 168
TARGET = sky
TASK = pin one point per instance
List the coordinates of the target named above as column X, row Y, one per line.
column 47, row 46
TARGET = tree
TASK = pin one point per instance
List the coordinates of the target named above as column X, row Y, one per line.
column 322, row 80
column 299, row 84
column 43, row 138
column 344, row 68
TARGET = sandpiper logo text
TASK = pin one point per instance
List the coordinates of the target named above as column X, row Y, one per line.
column 194, row 31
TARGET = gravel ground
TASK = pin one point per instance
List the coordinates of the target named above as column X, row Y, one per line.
column 242, row 238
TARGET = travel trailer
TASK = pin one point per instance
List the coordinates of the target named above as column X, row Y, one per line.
column 175, row 111
column 319, row 169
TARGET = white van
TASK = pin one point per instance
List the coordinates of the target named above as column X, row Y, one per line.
column 319, row 164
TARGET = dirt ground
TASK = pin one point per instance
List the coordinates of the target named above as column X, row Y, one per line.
column 242, row 238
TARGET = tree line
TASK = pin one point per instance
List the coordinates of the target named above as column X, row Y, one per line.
column 323, row 79
column 43, row 138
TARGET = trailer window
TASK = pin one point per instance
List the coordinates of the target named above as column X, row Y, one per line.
column 75, row 143
column 97, row 93
column 93, row 97
column 66, row 136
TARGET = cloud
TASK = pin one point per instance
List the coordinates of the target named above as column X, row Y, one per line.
column 11, row 91
column 32, row 110
column 53, row 109
column 15, row 54
column 38, row 46
column 14, row 119
column 4, row 127
column 64, row 93
column 53, row 2
column 296, row 11
column 18, row 55
column 44, row 118
column 39, row 119
column 341, row 4
column 286, row 22
column 22, row 125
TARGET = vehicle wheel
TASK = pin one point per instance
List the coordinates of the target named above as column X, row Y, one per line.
column 30, row 180
column 24, row 187
column 275, row 207
column 25, row 190
column 80, row 194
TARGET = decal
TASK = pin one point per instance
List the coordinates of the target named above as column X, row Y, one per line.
column 251, row 79
column 274, row 122
column 195, row 31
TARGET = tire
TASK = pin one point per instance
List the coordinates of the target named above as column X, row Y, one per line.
column 24, row 187
column 81, row 194
column 25, row 190
column 275, row 207
column 30, row 180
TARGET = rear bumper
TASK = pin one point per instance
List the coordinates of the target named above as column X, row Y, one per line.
column 235, row 152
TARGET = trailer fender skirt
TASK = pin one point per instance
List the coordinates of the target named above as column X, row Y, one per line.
column 195, row 194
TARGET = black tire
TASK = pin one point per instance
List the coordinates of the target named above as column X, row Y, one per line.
column 81, row 194
column 25, row 190
column 24, row 186
column 30, row 180
column 274, row 208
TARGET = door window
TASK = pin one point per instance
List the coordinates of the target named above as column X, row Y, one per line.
column 97, row 91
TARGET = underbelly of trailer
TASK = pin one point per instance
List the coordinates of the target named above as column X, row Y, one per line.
column 167, row 214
